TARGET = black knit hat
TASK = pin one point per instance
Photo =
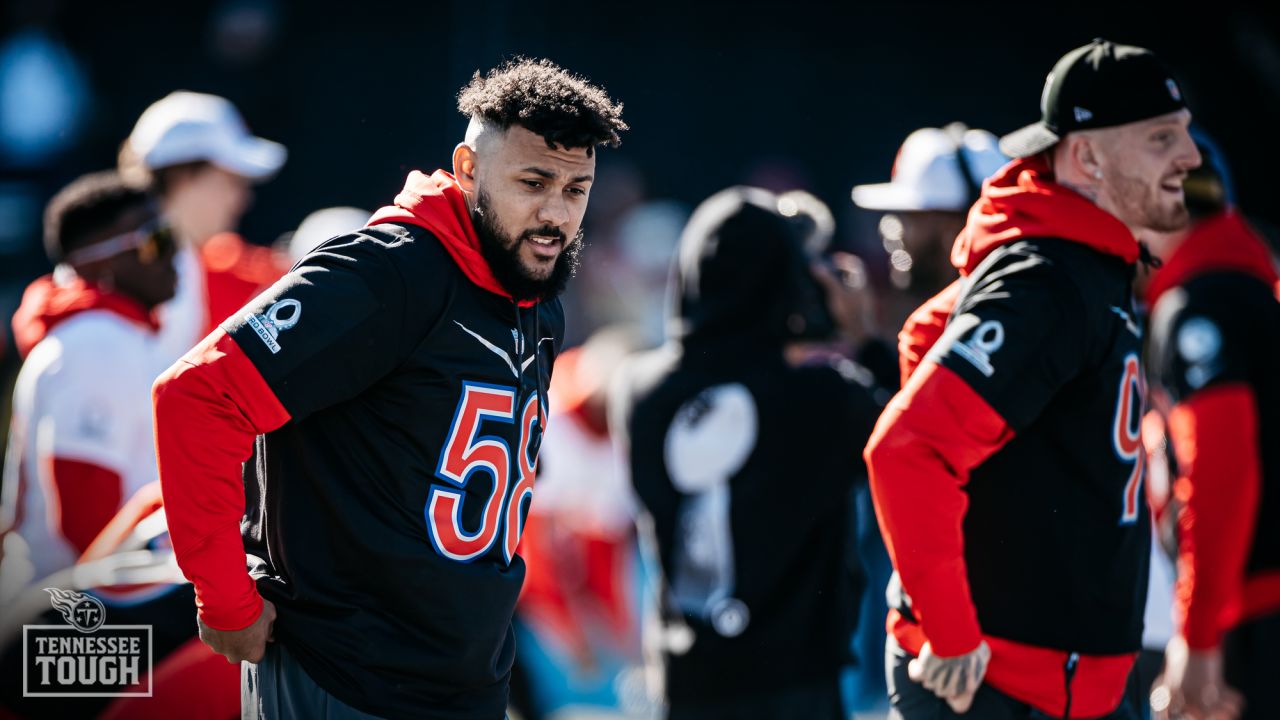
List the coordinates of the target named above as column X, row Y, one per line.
column 1099, row 85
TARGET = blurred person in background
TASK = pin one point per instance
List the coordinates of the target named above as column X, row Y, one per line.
column 624, row 273
column 81, row 440
column 578, row 631
column 1214, row 339
column 937, row 175
column 743, row 467
column 195, row 153
column 45, row 103
column 367, row 430
column 1007, row 473
column 317, row 227
column 843, row 278
column 859, row 352
column 129, row 567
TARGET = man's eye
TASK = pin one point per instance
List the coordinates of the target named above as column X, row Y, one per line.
column 577, row 191
column 532, row 183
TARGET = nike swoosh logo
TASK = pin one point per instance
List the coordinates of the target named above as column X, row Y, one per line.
column 492, row 348
column 525, row 365
column 1128, row 321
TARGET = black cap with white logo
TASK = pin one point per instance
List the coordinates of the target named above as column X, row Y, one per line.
column 1099, row 85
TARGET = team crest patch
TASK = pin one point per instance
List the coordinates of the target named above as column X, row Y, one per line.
column 278, row 318
column 1199, row 342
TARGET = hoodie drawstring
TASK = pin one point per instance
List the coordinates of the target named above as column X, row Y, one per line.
column 1147, row 258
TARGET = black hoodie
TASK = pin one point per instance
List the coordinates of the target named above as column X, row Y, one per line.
column 745, row 464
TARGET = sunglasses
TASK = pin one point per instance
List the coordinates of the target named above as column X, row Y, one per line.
column 150, row 241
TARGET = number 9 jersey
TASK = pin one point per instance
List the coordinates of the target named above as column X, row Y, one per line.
column 1007, row 474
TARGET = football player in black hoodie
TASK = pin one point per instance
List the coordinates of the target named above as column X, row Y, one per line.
column 389, row 396
column 744, row 466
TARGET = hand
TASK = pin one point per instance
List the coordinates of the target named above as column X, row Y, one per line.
column 848, row 294
column 1193, row 686
column 954, row 679
column 247, row 644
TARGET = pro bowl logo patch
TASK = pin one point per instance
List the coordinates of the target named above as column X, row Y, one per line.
column 85, row 657
column 1174, row 92
column 278, row 318
column 982, row 343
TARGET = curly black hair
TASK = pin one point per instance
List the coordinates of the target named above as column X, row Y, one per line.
column 546, row 99
column 82, row 210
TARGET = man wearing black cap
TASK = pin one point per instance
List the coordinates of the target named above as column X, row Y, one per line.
column 1007, row 473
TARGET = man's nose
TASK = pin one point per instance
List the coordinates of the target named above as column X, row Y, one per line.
column 1191, row 157
column 555, row 211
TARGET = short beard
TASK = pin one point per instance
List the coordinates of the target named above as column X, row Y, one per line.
column 503, row 255
column 1137, row 196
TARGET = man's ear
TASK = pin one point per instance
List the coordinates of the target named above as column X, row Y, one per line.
column 464, row 166
column 1084, row 155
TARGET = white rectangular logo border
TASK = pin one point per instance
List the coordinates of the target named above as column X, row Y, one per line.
column 150, row 659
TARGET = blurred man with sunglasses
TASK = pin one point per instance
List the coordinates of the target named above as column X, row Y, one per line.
column 81, row 438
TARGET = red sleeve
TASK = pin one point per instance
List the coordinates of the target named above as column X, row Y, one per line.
column 209, row 408
column 88, row 496
column 1215, row 438
column 923, row 328
column 934, row 431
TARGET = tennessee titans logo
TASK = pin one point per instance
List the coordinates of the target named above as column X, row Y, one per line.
column 84, row 612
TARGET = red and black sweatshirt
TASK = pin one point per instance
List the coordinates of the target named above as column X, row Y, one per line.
column 1007, row 472
column 379, row 409
column 1214, row 340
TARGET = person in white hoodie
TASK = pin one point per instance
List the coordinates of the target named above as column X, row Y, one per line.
column 81, row 435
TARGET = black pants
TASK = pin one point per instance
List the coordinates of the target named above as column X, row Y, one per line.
column 911, row 701
column 1252, row 665
column 810, row 702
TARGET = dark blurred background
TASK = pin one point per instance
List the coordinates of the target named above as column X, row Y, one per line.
column 783, row 94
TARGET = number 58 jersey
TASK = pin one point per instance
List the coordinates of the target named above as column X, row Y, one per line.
column 384, row 518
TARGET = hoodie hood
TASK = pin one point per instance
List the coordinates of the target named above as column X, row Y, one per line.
column 1223, row 241
column 437, row 203
column 47, row 304
column 732, row 273
column 1022, row 201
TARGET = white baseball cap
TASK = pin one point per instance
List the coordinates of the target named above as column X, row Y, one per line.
column 322, row 225
column 936, row 169
column 187, row 127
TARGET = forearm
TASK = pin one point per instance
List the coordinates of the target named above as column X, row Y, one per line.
column 919, row 457
column 209, row 408
column 1215, row 437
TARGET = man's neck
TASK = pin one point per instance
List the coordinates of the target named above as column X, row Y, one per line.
column 1163, row 245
